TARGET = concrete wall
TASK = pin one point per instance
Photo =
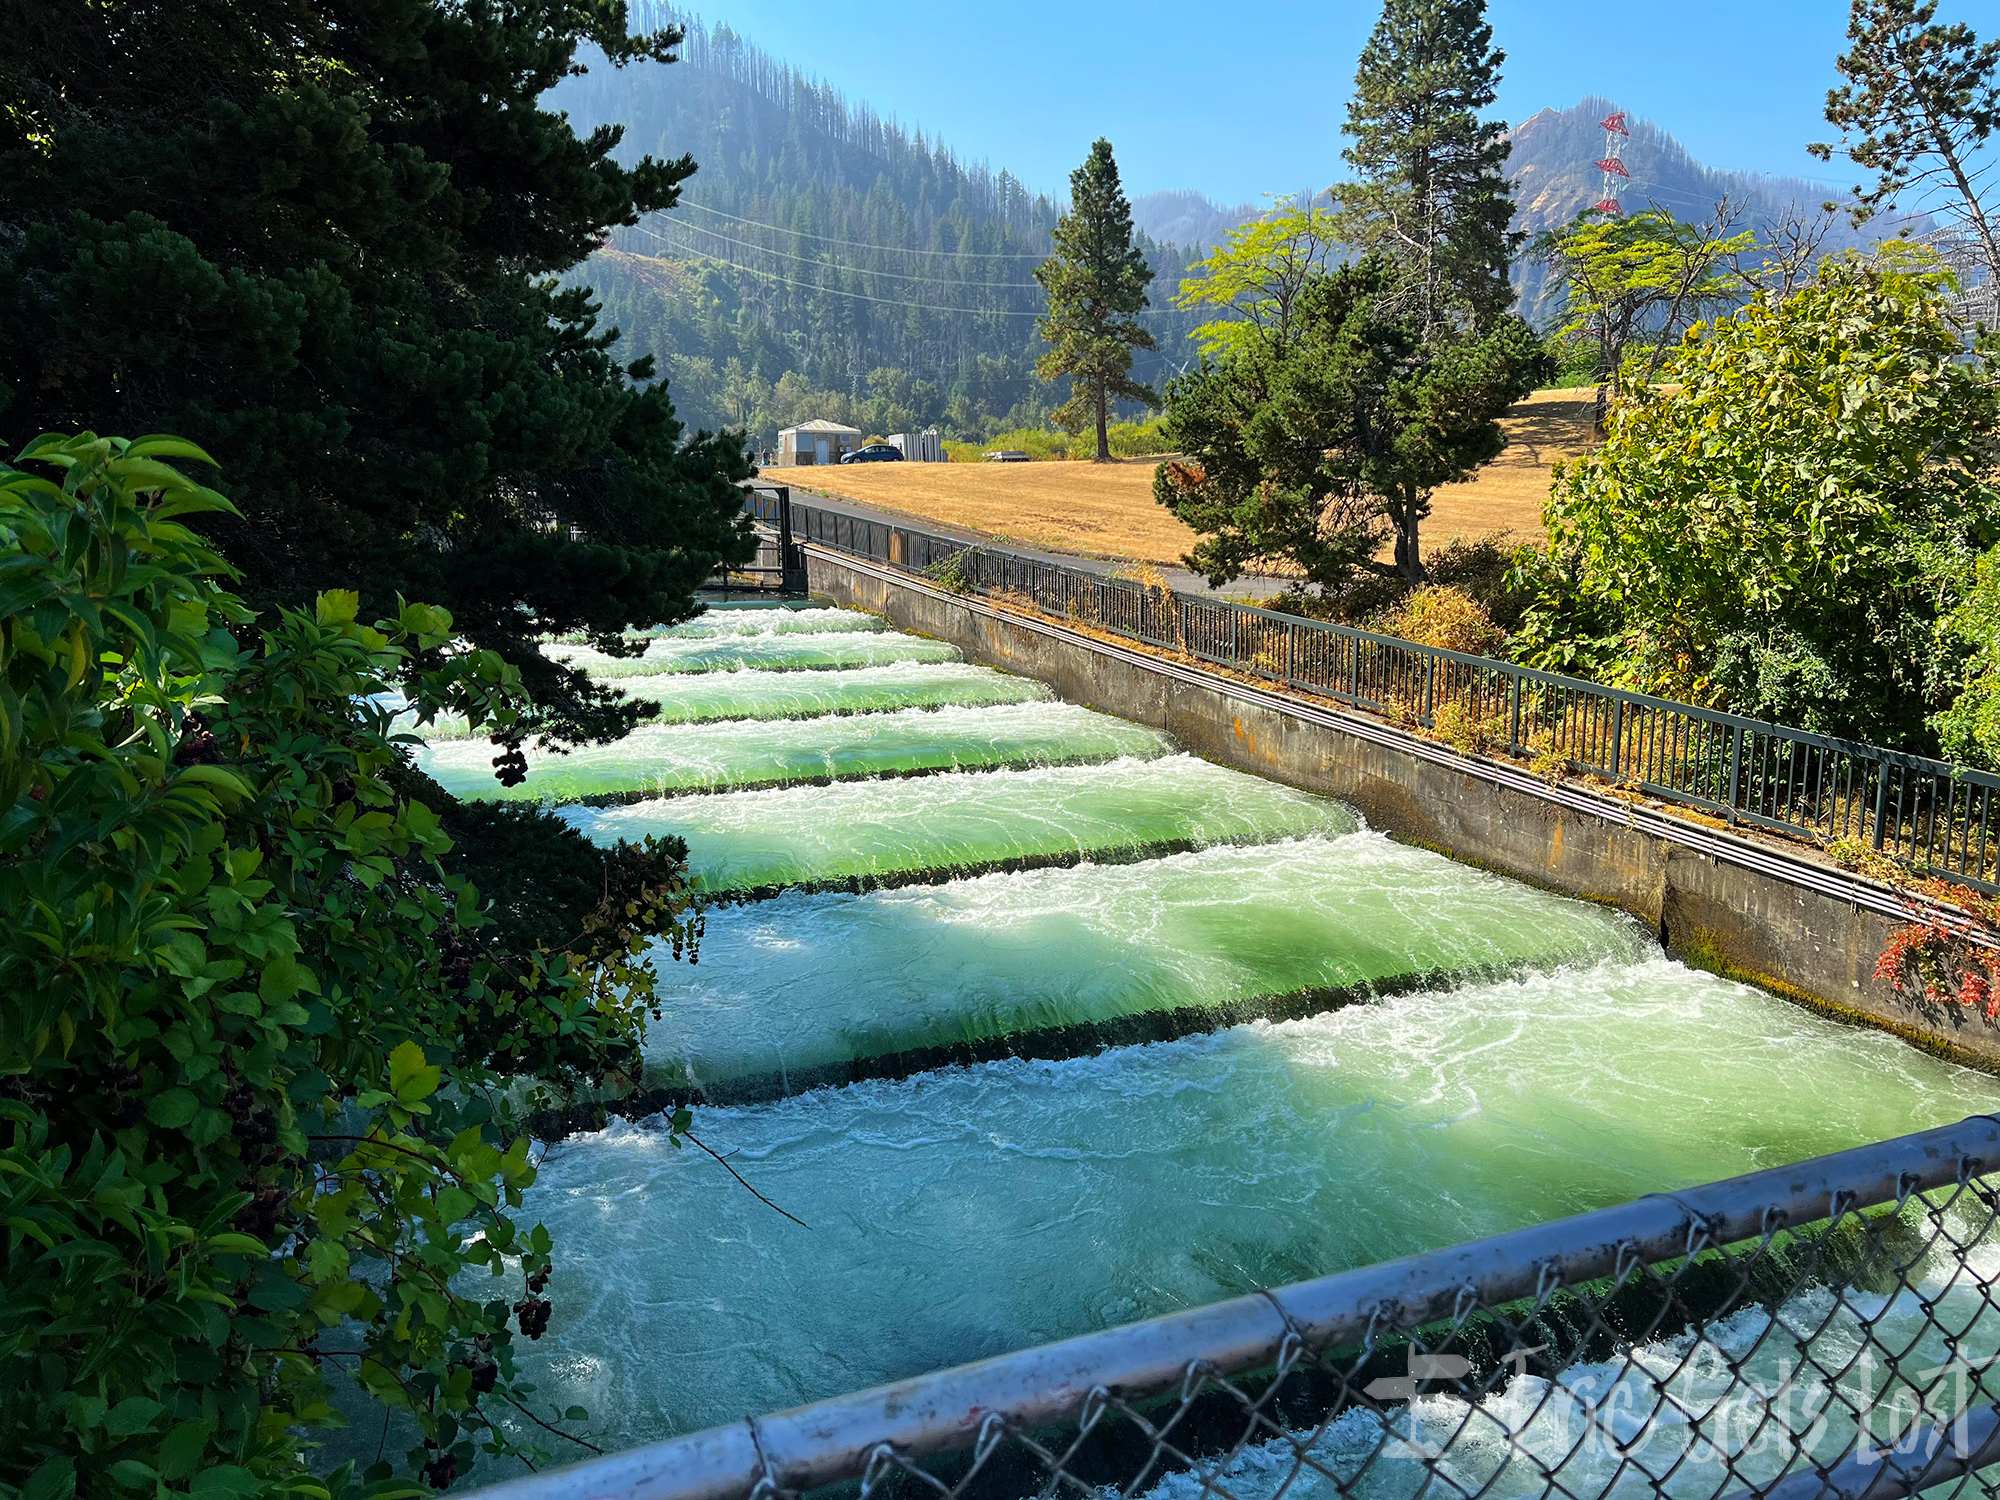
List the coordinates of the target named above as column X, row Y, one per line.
column 1734, row 918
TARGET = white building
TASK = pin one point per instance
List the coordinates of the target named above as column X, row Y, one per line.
column 816, row 443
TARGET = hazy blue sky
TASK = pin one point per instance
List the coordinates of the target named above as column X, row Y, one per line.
column 1241, row 99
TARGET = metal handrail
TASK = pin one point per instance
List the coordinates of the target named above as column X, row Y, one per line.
column 1933, row 816
column 953, row 1410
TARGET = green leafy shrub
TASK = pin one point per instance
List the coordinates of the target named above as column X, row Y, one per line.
column 953, row 573
column 257, row 1045
column 1780, row 526
column 1969, row 728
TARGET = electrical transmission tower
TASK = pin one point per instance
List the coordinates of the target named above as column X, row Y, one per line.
column 1978, row 297
column 1613, row 162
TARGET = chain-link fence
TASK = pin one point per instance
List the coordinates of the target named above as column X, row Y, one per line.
column 1828, row 1329
column 1937, row 818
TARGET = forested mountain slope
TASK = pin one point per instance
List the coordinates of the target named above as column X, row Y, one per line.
column 828, row 262
column 825, row 261
column 1556, row 177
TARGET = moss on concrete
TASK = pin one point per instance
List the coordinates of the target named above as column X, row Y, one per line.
column 1702, row 949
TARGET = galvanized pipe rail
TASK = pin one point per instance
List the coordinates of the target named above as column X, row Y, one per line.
column 892, row 1426
column 1935, row 817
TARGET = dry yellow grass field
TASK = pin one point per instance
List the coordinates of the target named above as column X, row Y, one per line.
column 1108, row 510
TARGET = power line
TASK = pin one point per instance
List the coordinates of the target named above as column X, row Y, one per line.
column 996, row 286
column 866, row 245
column 979, row 312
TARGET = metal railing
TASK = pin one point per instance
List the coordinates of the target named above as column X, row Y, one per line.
column 1829, row 1329
column 777, row 567
column 1937, row 818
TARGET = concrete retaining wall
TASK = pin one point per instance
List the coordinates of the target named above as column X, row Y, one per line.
column 1710, row 910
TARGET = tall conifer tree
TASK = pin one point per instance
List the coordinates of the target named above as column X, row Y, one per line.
column 323, row 240
column 1430, row 192
column 1918, row 108
column 1096, row 282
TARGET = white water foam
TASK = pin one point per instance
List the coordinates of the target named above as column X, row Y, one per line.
column 975, row 1210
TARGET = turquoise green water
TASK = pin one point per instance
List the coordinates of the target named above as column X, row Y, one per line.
column 709, row 697
column 716, row 624
column 962, row 1213
column 663, row 760
column 782, row 652
column 970, row 1210
column 807, row 981
column 880, row 831
column 689, row 698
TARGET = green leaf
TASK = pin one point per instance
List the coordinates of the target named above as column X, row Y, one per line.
column 224, row 1482
column 132, row 1415
column 53, row 1479
column 181, row 1450
column 410, row 1077
column 215, row 776
column 337, row 607
column 163, row 445
column 172, row 1109
column 133, row 1474
column 232, row 1243
column 284, row 977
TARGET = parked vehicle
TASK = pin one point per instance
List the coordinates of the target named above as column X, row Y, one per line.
column 874, row 453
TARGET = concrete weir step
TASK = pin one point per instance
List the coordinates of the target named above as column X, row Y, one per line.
column 881, row 834
column 666, row 760
column 663, row 1090
column 809, row 990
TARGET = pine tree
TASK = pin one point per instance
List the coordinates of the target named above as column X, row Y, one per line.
column 1096, row 282
column 1430, row 191
column 322, row 241
column 1917, row 110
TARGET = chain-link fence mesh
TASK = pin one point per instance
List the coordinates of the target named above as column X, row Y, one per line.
column 1829, row 1328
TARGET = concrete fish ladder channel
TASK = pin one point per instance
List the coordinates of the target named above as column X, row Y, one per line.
column 875, row 834
column 828, row 651
column 807, row 990
column 746, row 695
column 1520, row 1056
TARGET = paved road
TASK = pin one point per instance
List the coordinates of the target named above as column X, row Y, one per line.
column 1178, row 578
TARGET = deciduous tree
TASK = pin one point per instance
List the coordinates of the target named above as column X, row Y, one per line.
column 259, row 1046
column 1778, row 527
column 1256, row 277
column 1645, row 276
column 1096, row 284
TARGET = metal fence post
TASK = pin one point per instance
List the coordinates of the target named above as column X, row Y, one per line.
column 1735, row 766
column 1513, row 712
column 1617, row 736
column 1430, row 686
column 1881, row 801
